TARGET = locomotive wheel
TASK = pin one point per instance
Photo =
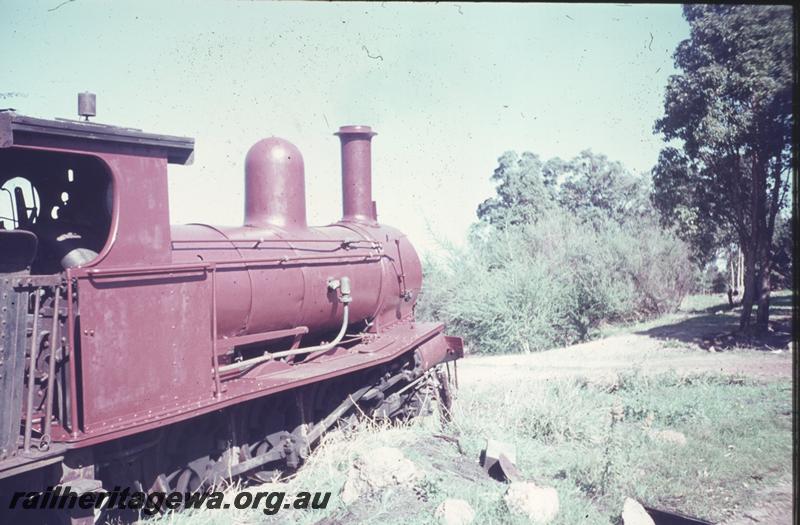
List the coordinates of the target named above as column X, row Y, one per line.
column 187, row 480
column 196, row 455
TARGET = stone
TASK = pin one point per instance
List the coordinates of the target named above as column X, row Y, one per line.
column 538, row 504
column 494, row 448
column 634, row 514
column 376, row 470
column 672, row 437
column 508, row 470
column 453, row 511
column 499, row 459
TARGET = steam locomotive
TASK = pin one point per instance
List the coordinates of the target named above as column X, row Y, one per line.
column 138, row 353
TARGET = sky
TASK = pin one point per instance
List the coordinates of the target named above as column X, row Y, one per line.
column 448, row 87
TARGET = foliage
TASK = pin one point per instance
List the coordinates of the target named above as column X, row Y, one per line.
column 710, row 281
column 555, row 282
column 595, row 188
column 562, row 248
column 524, row 190
column 590, row 186
column 687, row 202
column 729, row 115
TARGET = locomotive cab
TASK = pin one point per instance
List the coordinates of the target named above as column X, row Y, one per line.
column 55, row 210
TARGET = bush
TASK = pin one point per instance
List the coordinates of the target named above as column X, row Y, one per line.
column 553, row 283
column 710, row 280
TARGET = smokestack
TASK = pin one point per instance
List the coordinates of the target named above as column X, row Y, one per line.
column 357, row 201
column 274, row 185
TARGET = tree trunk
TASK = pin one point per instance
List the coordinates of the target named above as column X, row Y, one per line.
column 757, row 250
column 732, row 281
column 732, row 269
column 762, row 319
column 749, row 290
column 740, row 275
column 762, row 316
column 750, row 249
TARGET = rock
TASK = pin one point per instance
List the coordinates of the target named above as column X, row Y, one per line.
column 494, row 448
column 634, row 514
column 672, row 437
column 376, row 470
column 454, row 511
column 498, row 459
column 352, row 488
column 538, row 504
column 508, row 470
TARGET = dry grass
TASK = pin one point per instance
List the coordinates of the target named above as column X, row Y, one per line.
column 738, row 430
column 738, row 440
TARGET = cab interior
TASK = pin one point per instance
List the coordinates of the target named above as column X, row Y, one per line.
column 55, row 210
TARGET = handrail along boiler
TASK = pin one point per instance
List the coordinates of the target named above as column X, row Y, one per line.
column 191, row 352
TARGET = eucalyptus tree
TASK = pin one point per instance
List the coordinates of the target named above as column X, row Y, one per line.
column 728, row 122
column 589, row 186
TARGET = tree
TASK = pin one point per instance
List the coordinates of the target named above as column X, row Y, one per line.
column 590, row 186
column 523, row 195
column 730, row 111
column 595, row 188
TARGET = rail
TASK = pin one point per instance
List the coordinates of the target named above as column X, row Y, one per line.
column 41, row 291
column 344, row 244
column 235, row 263
column 55, row 344
column 26, row 442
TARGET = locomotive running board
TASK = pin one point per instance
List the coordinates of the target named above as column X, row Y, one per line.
column 402, row 338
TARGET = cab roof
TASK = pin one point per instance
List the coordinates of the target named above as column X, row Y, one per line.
column 76, row 135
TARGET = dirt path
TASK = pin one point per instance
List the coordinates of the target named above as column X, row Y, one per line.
column 604, row 358
column 774, row 507
column 686, row 342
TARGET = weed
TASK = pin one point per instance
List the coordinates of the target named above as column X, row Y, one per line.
column 567, row 437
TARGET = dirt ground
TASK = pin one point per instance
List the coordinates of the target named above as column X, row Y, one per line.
column 775, row 507
column 604, row 358
column 687, row 344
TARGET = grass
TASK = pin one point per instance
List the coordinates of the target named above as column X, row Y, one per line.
column 738, row 440
column 691, row 304
column 710, row 311
column 697, row 303
column 736, row 429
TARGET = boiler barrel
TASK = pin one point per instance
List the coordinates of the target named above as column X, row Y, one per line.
column 271, row 279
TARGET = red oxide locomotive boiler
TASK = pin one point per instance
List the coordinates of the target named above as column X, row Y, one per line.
column 138, row 353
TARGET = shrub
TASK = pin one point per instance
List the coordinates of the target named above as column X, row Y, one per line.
column 536, row 286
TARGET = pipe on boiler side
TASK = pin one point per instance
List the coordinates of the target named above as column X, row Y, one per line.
column 343, row 285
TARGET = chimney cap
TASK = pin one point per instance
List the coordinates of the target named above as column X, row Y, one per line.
column 355, row 130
